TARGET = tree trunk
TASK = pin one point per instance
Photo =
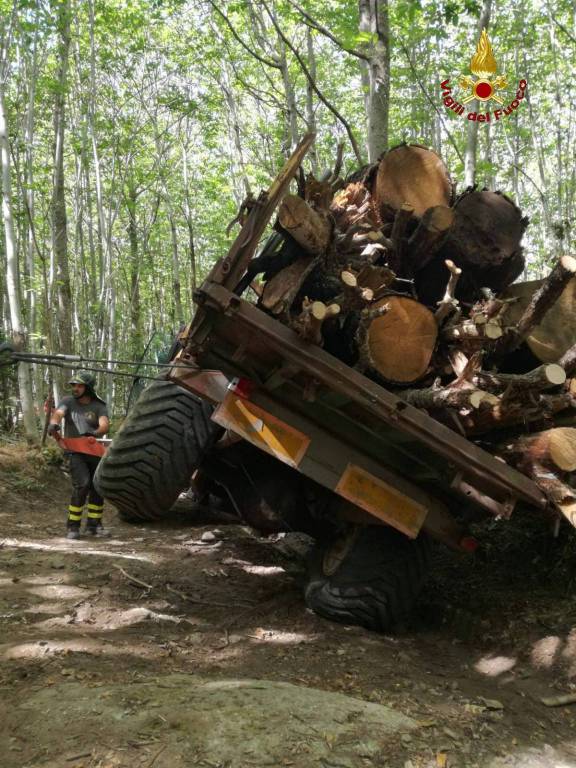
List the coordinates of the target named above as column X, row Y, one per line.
column 59, row 218
column 12, row 282
column 189, row 224
column 472, row 129
column 136, row 341
column 179, row 315
column 289, row 95
column 310, row 114
column 374, row 20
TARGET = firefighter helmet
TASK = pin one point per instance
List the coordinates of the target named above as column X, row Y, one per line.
column 85, row 378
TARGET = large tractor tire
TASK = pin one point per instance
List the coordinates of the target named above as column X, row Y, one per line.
column 372, row 577
column 152, row 458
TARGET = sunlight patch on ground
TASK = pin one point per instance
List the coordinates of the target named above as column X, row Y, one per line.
column 263, row 570
column 279, row 637
column 46, row 579
column 46, row 608
column 492, row 666
column 60, row 592
column 569, row 653
column 42, row 648
column 61, row 545
column 545, row 652
column 555, row 651
column 538, row 757
column 107, row 619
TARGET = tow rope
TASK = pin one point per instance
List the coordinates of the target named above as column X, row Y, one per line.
column 10, row 356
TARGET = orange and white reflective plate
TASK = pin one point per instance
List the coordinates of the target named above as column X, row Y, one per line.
column 262, row 429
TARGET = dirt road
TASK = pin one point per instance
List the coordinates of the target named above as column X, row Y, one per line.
column 165, row 647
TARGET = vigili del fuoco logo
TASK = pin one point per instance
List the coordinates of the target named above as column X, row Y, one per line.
column 485, row 88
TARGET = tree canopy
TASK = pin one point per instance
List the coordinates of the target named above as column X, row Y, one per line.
column 134, row 131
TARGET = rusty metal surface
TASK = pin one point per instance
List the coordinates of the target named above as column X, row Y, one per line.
column 209, row 385
column 478, row 467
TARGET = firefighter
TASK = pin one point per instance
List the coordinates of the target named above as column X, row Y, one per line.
column 85, row 415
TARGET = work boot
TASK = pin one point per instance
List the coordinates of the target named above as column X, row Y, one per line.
column 97, row 531
column 73, row 534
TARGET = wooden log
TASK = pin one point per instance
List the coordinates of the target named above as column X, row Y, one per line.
column 544, row 298
column 318, row 194
column 257, row 287
column 412, row 174
column 449, row 302
column 401, row 220
column 354, row 296
column 353, row 205
column 484, row 241
column 509, row 414
column 281, row 290
column 447, row 397
column 568, row 360
column 556, row 332
column 494, row 309
column 377, row 279
column 554, row 447
column 538, row 380
column 399, row 345
column 469, row 331
column 561, row 496
column 310, row 229
column 429, row 236
column 308, row 325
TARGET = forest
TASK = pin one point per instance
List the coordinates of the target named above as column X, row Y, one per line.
column 132, row 131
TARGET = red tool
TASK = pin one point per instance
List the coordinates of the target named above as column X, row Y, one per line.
column 87, row 444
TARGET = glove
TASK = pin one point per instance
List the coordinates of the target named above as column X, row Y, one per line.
column 54, row 430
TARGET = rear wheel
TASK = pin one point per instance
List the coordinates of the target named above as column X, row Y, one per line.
column 152, row 458
column 371, row 576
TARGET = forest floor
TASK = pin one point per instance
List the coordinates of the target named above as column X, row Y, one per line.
column 157, row 649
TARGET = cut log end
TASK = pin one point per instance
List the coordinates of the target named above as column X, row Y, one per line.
column 399, row 344
column 555, row 374
column 553, row 448
column 568, row 263
column 562, row 448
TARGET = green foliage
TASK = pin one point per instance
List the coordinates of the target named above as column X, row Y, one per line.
column 160, row 90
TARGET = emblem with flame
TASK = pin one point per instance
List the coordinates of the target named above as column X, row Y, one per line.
column 483, row 65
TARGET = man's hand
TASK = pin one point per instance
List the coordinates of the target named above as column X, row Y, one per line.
column 54, row 430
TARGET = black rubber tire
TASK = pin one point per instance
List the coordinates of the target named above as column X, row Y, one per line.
column 377, row 582
column 152, row 458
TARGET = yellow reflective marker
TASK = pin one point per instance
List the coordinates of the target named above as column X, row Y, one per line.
column 262, row 429
column 381, row 500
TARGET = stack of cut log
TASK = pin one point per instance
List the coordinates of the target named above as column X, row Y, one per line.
column 397, row 276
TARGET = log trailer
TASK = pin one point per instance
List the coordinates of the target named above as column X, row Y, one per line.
column 296, row 439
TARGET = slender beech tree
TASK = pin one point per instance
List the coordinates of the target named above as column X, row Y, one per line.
column 61, row 289
column 12, row 275
column 471, row 150
column 374, row 23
